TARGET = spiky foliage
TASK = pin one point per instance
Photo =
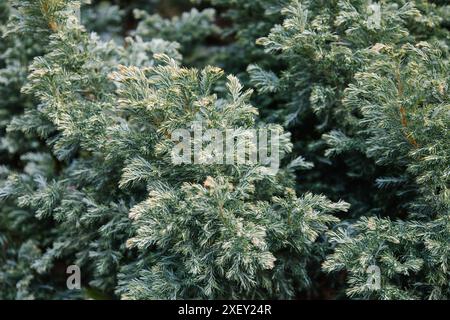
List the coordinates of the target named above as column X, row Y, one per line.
column 244, row 22
column 404, row 101
column 75, row 70
column 244, row 229
column 190, row 27
column 87, row 176
column 323, row 45
column 331, row 49
column 21, row 235
column 209, row 232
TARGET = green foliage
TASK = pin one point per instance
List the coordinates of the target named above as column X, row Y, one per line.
column 412, row 257
column 104, row 109
column 190, row 27
column 206, row 225
column 20, row 231
column 87, row 110
column 403, row 98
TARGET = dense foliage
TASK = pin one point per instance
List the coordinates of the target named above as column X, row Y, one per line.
column 357, row 90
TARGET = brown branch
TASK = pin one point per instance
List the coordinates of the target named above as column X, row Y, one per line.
column 53, row 26
column 404, row 119
column 51, row 22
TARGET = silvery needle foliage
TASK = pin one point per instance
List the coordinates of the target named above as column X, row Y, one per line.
column 209, row 232
column 403, row 97
column 119, row 208
column 380, row 94
column 87, row 177
column 61, row 192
